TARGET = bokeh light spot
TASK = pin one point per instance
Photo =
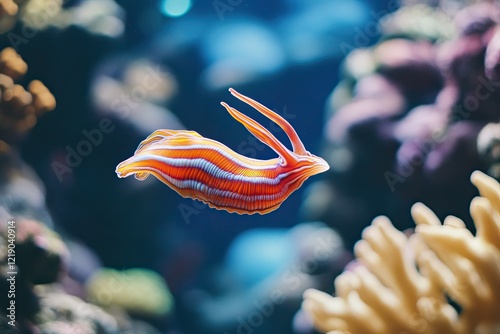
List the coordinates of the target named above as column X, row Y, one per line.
column 175, row 8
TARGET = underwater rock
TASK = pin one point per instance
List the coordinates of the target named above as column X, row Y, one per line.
column 127, row 324
column 40, row 253
column 41, row 256
column 61, row 314
column 387, row 288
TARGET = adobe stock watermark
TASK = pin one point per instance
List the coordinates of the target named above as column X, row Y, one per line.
column 47, row 12
column 249, row 148
column 289, row 281
column 11, row 272
column 121, row 106
column 223, row 6
column 462, row 111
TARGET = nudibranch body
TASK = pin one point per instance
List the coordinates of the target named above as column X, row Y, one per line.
column 209, row 171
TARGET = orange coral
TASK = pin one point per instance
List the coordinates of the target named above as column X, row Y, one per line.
column 19, row 108
column 11, row 64
column 43, row 100
column 8, row 7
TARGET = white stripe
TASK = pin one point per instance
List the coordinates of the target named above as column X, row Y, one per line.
column 211, row 168
column 193, row 184
column 208, row 147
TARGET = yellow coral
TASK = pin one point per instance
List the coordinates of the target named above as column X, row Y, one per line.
column 139, row 291
column 402, row 284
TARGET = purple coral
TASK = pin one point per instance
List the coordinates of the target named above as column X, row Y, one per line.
column 405, row 127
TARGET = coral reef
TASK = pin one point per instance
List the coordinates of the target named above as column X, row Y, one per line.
column 44, row 306
column 412, row 108
column 19, row 108
column 61, row 313
column 40, row 253
column 43, row 262
column 441, row 279
column 40, row 258
column 46, row 271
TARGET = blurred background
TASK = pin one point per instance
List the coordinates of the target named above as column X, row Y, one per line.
column 400, row 97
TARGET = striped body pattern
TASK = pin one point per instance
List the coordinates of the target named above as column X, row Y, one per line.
column 207, row 170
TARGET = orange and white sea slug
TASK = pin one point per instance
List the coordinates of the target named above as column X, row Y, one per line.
column 206, row 170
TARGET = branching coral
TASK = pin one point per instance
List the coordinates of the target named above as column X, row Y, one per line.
column 19, row 108
column 11, row 64
column 404, row 284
